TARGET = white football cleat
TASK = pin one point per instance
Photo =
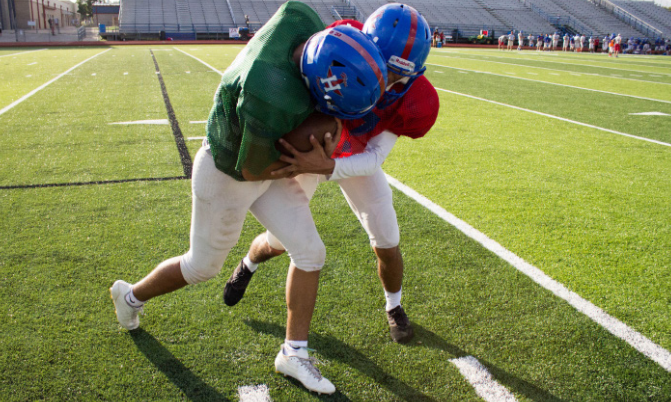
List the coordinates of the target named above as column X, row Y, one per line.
column 302, row 368
column 125, row 313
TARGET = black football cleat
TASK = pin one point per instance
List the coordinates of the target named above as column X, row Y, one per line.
column 237, row 284
column 400, row 328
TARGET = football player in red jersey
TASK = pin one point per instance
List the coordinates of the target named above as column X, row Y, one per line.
column 408, row 108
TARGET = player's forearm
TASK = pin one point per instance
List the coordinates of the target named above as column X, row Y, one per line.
column 367, row 162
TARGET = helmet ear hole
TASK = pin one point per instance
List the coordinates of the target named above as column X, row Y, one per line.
column 336, row 63
column 358, row 79
column 395, row 23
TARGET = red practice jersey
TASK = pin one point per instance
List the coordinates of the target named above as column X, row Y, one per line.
column 412, row 115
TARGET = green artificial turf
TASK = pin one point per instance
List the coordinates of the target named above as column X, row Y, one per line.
column 587, row 207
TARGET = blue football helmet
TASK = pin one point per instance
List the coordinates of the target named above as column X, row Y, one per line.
column 404, row 37
column 344, row 71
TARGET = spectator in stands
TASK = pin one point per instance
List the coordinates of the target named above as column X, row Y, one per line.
column 591, row 44
column 511, row 40
column 232, row 169
column 565, row 42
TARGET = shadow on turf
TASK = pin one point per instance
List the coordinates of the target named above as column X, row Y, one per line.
column 193, row 387
column 332, row 348
column 517, row 385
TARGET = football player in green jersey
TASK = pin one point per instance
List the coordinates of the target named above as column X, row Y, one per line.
column 292, row 67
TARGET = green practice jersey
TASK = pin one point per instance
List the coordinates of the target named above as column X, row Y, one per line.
column 262, row 95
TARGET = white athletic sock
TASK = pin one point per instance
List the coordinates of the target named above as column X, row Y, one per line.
column 251, row 266
column 296, row 348
column 393, row 299
column 132, row 300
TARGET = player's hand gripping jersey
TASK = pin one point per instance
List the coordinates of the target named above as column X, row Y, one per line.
column 262, row 95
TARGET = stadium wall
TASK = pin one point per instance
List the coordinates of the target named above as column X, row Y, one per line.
column 39, row 11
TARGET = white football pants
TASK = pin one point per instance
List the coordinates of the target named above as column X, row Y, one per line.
column 370, row 198
column 220, row 205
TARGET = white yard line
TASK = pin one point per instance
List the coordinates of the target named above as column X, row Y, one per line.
column 20, row 53
column 639, row 342
column 551, row 83
column 588, row 65
column 41, row 87
column 479, row 377
column 554, row 69
column 557, row 117
column 197, row 59
column 254, row 393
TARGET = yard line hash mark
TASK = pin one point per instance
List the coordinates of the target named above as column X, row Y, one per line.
column 184, row 156
column 639, row 342
column 41, row 87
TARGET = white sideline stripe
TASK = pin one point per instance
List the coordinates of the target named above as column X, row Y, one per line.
column 20, row 53
column 552, row 83
column 197, row 59
column 557, row 117
column 254, row 393
column 481, row 379
column 41, row 87
column 639, row 342
column 554, row 69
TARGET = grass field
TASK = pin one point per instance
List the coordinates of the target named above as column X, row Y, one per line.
column 539, row 152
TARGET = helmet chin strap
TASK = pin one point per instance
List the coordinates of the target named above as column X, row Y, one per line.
column 403, row 81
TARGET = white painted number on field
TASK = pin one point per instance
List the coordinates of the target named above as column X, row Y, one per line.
column 251, row 393
column 485, row 385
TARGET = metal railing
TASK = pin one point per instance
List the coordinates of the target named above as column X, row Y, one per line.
column 560, row 20
column 646, row 28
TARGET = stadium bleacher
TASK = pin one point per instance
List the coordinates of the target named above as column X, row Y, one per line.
column 467, row 17
column 658, row 17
